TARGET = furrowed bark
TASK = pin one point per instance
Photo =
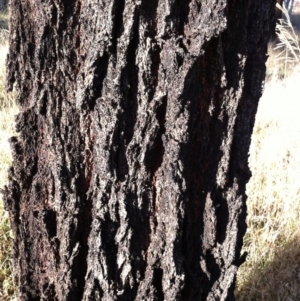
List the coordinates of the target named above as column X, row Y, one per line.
column 129, row 172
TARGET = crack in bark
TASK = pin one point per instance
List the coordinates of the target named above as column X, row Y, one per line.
column 100, row 70
column 118, row 27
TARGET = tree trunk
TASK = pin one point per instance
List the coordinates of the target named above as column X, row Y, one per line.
column 129, row 172
column 278, row 12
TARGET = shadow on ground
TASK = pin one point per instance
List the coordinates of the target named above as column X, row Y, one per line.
column 277, row 280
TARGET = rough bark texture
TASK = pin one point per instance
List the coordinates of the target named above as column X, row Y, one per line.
column 129, row 172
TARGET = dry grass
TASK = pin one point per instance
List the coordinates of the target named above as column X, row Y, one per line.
column 7, row 111
column 4, row 19
column 272, row 269
column 7, row 286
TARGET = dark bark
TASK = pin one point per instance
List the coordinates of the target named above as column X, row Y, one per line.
column 129, row 172
column 278, row 12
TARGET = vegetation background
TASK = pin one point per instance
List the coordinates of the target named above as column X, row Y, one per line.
column 7, row 111
column 272, row 241
column 272, row 269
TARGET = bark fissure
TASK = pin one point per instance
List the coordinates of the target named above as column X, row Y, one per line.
column 118, row 27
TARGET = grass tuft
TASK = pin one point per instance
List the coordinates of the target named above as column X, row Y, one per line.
column 288, row 46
